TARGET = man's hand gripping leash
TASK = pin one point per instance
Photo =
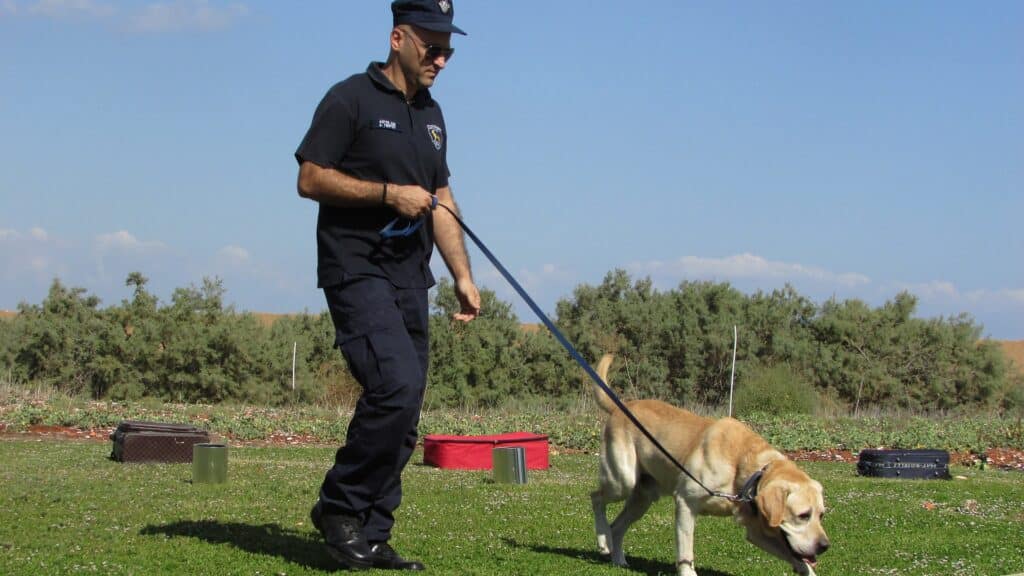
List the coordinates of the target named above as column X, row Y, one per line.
column 411, row 226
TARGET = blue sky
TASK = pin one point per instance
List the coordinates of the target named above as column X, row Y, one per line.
column 851, row 149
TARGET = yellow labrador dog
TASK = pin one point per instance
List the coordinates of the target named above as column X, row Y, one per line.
column 783, row 518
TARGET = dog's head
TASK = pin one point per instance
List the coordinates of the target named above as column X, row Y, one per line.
column 788, row 510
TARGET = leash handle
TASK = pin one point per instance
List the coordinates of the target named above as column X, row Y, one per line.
column 577, row 357
column 392, row 231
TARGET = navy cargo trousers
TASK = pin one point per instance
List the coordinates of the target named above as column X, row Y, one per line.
column 382, row 332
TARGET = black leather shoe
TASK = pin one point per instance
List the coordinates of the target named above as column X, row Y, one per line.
column 344, row 537
column 385, row 557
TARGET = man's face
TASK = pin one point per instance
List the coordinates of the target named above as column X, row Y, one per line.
column 423, row 54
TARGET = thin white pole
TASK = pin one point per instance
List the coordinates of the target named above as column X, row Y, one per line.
column 732, row 375
column 295, row 348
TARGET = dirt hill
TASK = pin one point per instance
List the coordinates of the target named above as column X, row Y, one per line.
column 1014, row 350
column 268, row 319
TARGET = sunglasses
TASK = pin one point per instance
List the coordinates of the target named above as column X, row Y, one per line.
column 433, row 51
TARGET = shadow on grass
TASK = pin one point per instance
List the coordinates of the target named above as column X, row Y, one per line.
column 641, row 565
column 297, row 547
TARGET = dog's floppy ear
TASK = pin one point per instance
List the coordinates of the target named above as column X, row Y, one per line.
column 772, row 504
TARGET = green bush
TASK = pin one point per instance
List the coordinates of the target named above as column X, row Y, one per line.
column 676, row 345
column 774, row 389
column 193, row 349
column 1012, row 400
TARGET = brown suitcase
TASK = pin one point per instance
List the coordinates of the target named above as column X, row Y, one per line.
column 136, row 441
column 924, row 464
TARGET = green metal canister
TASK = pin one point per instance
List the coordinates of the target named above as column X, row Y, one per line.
column 209, row 463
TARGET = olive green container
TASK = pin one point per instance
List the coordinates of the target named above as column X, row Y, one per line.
column 209, row 463
column 509, row 465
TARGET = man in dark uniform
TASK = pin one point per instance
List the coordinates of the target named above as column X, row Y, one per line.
column 374, row 159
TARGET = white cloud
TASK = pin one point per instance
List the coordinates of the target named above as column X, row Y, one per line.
column 932, row 290
column 1014, row 295
column 941, row 291
column 121, row 250
column 101, row 262
column 1009, row 296
column 746, row 266
column 8, row 8
column 125, row 241
column 234, row 254
column 32, row 254
column 70, row 8
column 548, row 275
column 11, row 235
column 187, row 15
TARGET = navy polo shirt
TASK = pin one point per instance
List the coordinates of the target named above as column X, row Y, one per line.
column 365, row 128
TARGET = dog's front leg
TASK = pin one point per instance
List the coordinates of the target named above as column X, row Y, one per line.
column 685, row 522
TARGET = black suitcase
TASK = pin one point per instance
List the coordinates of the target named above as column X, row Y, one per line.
column 136, row 441
column 917, row 464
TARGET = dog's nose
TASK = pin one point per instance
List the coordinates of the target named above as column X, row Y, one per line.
column 823, row 544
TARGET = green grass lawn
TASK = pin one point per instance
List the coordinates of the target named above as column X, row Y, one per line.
column 67, row 509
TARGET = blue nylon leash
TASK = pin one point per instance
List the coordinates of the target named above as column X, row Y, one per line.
column 579, row 359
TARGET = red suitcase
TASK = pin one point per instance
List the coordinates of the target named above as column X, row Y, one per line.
column 474, row 452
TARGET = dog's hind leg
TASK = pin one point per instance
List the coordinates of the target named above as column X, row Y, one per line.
column 644, row 493
column 616, row 480
column 600, row 504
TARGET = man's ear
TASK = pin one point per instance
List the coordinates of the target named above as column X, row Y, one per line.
column 772, row 504
column 396, row 38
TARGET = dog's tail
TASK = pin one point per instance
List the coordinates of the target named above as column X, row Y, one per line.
column 600, row 395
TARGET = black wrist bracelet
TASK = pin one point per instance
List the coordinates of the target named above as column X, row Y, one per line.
column 384, row 194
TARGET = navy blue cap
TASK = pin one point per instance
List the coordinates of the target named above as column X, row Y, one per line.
column 435, row 15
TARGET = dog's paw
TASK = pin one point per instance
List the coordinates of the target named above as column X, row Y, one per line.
column 685, row 568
